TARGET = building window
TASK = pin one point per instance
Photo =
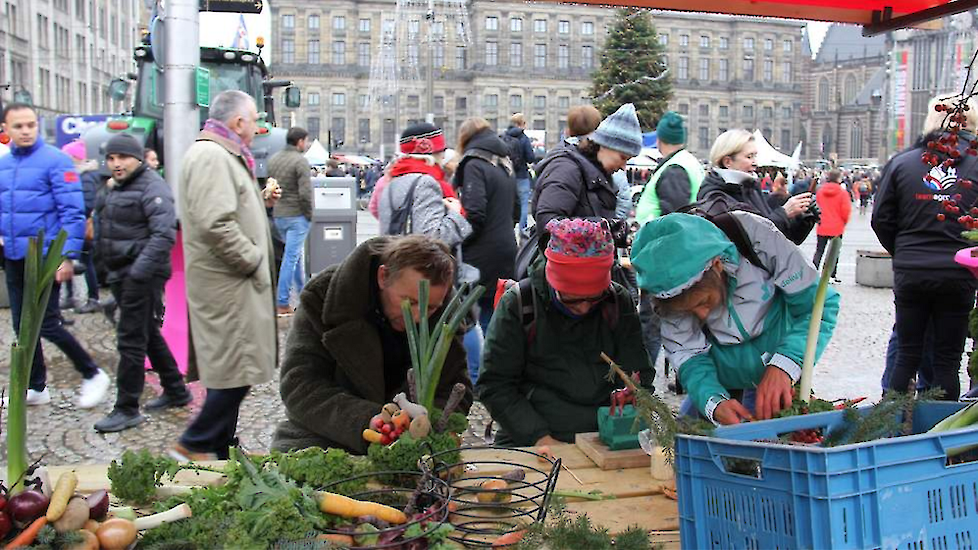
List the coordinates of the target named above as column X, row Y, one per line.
column 563, row 102
column 412, row 53
column 786, row 46
column 724, row 73
column 587, row 28
column 539, row 25
column 540, row 102
column 587, row 57
column 704, row 109
column 748, row 43
column 339, row 100
column 339, row 23
column 438, row 29
column 492, row 54
column 313, row 51
column 414, row 26
column 516, row 54
column 748, row 112
column 389, row 130
column 748, row 69
column 492, row 23
column 363, row 128
column 288, row 50
column 785, row 139
column 768, row 113
column 312, row 126
column 362, row 100
column 288, row 21
column 439, row 104
column 515, row 102
column 364, row 25
column 724, row 111
column 438, row 56
column 704, row 138
column 460, row 58
column 563, row 27
column 786, row 113
column 491, row 101
column 768, row 45
column 704, row 69
column 704, row 41
column 724, row 43
column 461, row 104
column 563, row 56
column 664, row 38
column 339, row 52
column 768, row 70
column 786, row 75
column 823, row 94
column 684, row 108
column 363, row 54
column 313, row 21
column 683, row 68
column 683, row 40
column 515, row 24
column 856, row 141
column 849, row 89
column 338, row 130
column 540, row 55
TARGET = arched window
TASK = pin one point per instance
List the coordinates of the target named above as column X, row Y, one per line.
column 827, row 145
column 849, row 90
column 856, row 140
column 823, row 94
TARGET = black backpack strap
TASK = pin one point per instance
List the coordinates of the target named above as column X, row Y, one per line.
column 409, row 204
column 527, row 301
column 735, row 232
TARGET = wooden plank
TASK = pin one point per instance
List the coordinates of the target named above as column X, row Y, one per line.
column 654, row 513
column 606, row 459
column 93, row 477
column 570, row 456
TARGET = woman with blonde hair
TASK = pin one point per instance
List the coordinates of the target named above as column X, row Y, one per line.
column 732, row 184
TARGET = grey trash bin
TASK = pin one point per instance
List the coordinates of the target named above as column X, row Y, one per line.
column 874, row 268
column 333, row 232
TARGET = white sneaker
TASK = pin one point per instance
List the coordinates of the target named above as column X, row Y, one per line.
column 42, row 397
column 93, row 390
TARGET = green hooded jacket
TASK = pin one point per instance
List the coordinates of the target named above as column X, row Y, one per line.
column 555, row 385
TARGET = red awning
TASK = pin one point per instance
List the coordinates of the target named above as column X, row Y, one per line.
column 860, row 12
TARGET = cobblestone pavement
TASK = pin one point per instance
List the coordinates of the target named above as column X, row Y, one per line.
column 850, row 367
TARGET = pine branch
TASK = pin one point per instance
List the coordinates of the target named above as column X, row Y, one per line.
column 662, row 75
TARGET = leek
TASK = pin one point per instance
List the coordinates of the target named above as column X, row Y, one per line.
column 39, row 272
column 815, row 324
column 964, row 418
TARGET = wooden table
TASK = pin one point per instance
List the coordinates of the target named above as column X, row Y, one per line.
column 639, row 499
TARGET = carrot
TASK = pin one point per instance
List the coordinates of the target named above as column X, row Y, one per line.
column 339, row 505
column 27, row 536
column 341, row 541
column 62, row 493
column 509, row 539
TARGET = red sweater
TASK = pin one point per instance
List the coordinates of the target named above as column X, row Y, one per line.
column 835, row 204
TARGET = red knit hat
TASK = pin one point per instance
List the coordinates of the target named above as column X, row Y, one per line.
column 579, row 256
column 422, row 139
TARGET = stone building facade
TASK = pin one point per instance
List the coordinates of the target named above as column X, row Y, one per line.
column 66, row 52
column 842, row 115
column 534, row 58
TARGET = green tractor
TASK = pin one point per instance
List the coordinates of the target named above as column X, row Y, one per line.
column 228, row 69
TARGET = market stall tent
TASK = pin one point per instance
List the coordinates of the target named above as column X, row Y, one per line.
column 767, row 155
column 317, row 154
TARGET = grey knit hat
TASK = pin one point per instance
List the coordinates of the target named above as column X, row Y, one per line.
column 620, row 131
column 124, row 144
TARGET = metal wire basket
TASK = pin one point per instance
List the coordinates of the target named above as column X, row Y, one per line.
column 429, row 507
column 488, row 499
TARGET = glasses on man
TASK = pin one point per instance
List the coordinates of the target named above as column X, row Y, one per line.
column 578, row 301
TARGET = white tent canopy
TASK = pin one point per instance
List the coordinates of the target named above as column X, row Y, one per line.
column 317, row 154
column 767, row 155
column 648, row 158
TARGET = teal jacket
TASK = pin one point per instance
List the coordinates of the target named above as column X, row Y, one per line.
column 764, row 321
column 554, row 384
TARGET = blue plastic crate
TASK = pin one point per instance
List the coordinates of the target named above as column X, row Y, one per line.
column 738, row 493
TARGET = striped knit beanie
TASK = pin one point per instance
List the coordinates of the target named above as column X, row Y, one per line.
column 422, row 139
column 620, row 131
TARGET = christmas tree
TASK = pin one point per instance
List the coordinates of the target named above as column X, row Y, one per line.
column 632, row 64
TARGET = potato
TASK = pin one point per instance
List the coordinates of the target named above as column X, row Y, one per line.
column 494, row 491
column 91, row 525
column 74, row 517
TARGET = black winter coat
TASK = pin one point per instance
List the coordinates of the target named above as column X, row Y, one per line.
column 748, row 192
column 92, row 181
column 572, row 185
column 528, row 157
column 488, row 194
column 136, row 227
column 906, row 208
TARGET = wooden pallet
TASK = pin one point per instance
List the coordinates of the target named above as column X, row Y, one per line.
column 606, row 459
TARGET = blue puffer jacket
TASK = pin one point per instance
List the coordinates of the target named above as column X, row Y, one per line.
column 39, row 189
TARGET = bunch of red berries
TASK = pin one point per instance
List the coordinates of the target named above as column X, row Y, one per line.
column 945, row 152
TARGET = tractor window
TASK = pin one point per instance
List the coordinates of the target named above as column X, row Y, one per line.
column 232, row 76
column 149, row 95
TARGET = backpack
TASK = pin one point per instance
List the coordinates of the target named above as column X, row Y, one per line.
column 514, row 149
column 731, row 227
column 526, row 304
column 400, row 221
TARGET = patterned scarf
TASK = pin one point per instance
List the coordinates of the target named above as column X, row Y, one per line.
column 218, row 128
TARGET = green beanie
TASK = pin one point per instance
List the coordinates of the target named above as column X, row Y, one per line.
column 671, row 253
column 671, row 129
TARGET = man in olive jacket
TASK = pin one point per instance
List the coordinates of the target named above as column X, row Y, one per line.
column 347, row 352
column 543, row 383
